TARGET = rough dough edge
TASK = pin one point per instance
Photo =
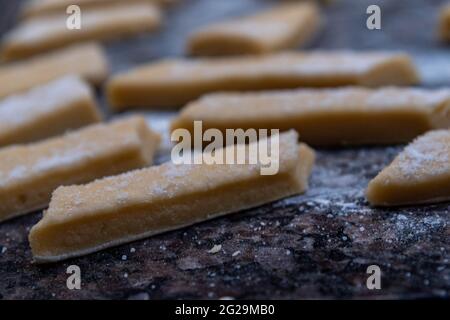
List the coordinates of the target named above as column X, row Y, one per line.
column 50, row 259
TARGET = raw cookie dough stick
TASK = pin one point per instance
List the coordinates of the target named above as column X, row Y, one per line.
column 87, row 61
column 30, row 173
column 48, row 110
column 283, row 27
column 445, row 23
column 34, row 8
column 420, row 174
column 172, row 83
column 47, row 33
column 326, row 117
column 158, row 199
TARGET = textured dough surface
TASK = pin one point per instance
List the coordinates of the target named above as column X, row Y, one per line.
column 47, row 33
column 48, row 110
column 30, row 173
column 420, row 174
column 87, row 60
column 285, row 26
column 445, row 23
column 172, row 83
column 115, row 210
column 36, row 8
column 326, row 117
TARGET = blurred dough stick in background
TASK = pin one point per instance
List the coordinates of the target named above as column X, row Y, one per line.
column 87, row 61
column 326, row 117
column 283, row 27
column 30, row 173
column 44, row 34
column 418, row 175
column 445, row 23
column 142, row 203
column 172, row 83
column 48, row 110
column 34, row 8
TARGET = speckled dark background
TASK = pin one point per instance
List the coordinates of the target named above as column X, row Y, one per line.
column 317, row 245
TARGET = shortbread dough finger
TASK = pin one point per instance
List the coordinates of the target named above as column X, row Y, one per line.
column 30, row 173
column 445, row 24
column 44, row 34
column 326, row 117
column 172, row 83
column 35, row 8
column 48, row 110
column 283, row 27
column 87, row 61
column 420, row 174
column 116, row 210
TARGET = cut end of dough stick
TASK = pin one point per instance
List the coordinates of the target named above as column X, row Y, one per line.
column 172, row 83
column 326, row 117
column 30, row 173
column 120, row 209
column 418, row 175
column 399, row 70
column 87, row 61
column 66, row 103
column 444, row 27
column 283, row 27
column 44, row 34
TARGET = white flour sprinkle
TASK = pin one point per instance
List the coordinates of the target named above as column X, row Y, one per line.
column 41, row 101
column 215, row 249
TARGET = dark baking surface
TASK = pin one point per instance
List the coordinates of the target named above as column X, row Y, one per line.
column 316, row 245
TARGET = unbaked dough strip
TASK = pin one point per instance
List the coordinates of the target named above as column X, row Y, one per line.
column 418, row 175
column 445, row 24
column 48, row 110
column 326, row 117
column 30, row 173
column 116, row 210
column 36, row 8
column 283, row 27
column 47, row 33
column 172, row 83
column 87, row 61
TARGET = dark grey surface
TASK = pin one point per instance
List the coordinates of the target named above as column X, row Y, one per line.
column 317, row 245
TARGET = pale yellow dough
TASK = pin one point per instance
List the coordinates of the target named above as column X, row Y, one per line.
column 285, row 26
column 326, row 117
column 36, row 8
column 30, row 173
column 88, row 61
column 418, row 175
column 47, row 33
column 445, row 24
column 135, row 205
column 172, row 83
column 48, row 110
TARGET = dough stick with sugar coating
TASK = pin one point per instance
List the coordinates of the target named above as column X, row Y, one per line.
column 44, row 34
column 285, row 26
column 420, row 174
column 146, row 202
column 30, row 173
column 445, row 24
column 172, row 83
column 48, row 110
column 326, row 117
column 35, row 8
column 88, row 61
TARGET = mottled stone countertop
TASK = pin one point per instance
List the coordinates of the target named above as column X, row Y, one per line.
column 316, row 245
